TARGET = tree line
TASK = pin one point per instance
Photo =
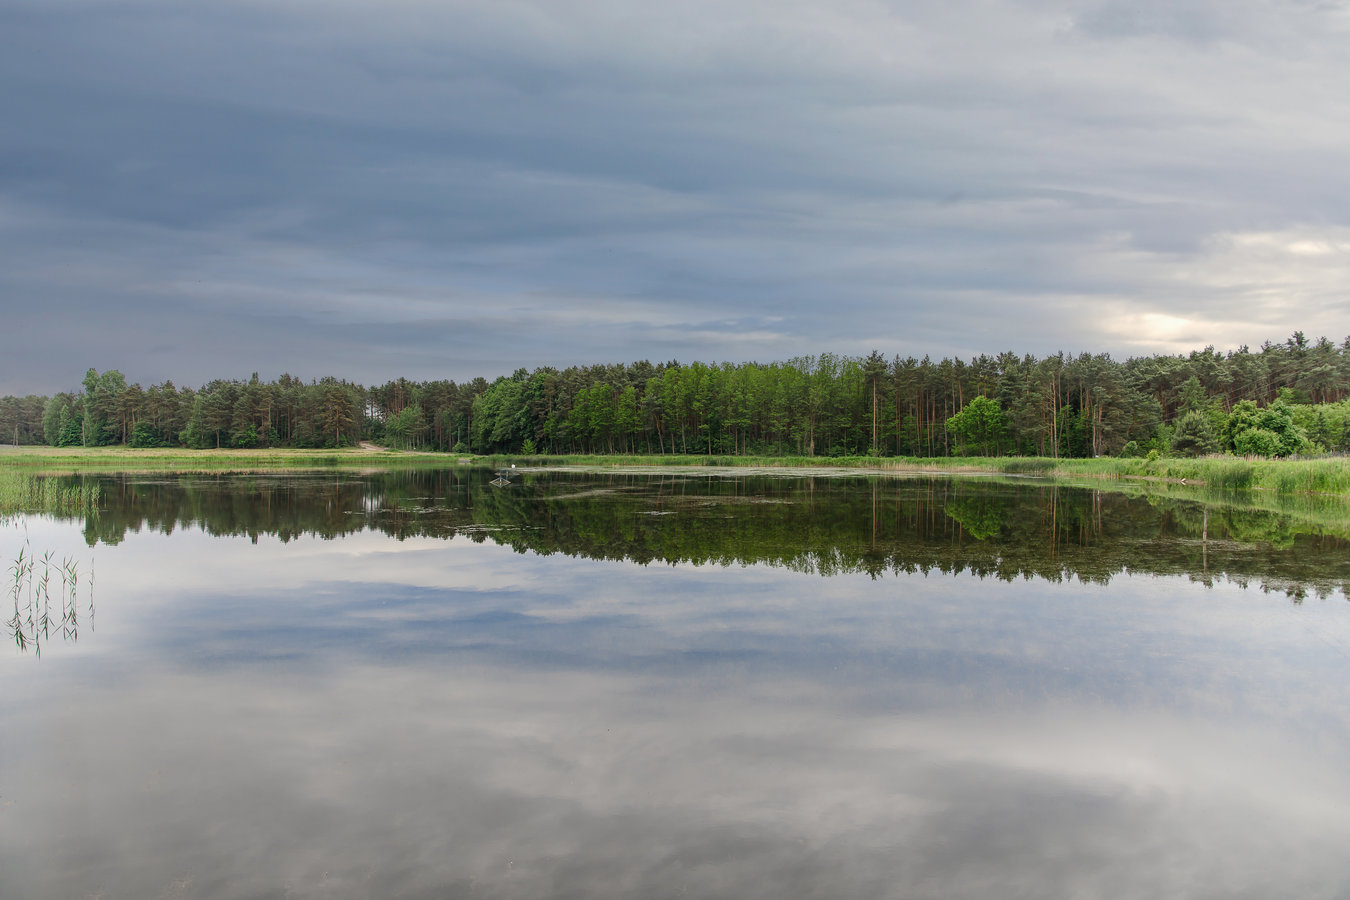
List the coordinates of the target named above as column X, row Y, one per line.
column 1280, row 399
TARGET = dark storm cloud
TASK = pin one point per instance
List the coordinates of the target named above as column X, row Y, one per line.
column 452, row 189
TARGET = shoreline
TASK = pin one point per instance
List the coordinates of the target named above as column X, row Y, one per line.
column 1329, row 475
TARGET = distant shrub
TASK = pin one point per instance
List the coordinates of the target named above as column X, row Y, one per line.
column 1253, row 431
column 1194, row 435
column 1256, row 442
column 245, row 437
column 143, row 435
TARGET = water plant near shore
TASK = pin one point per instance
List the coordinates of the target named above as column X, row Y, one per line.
column 36, row 615
column 24, row 492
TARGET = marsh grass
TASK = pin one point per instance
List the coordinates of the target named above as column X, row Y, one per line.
column 1028, row 466
column 1329, row 475
column 36, row 617
column 885, row 463
column 1326, row 475
column 129, row 459
column 26, row 492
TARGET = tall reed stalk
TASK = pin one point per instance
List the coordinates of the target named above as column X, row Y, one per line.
column 24, row 492
column 32, row 581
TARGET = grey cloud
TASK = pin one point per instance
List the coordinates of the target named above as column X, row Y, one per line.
column 1193, row 21
column 1251, row 22
column 840, row 171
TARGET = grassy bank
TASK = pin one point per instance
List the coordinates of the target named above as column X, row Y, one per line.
column 1324, row 476
column 21, row 491
column 1310, row 476
column 127, row 459
column 1281, row 476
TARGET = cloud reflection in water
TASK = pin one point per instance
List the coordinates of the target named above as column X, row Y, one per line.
column 419, row 718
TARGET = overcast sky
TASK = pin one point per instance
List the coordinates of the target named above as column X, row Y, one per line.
column 444, row 189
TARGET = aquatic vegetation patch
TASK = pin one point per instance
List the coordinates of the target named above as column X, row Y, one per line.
column 45, row 599
column 24, row 492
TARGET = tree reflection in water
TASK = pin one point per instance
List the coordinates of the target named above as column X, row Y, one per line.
column 823, row 524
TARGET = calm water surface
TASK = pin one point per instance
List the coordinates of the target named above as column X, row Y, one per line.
column 420, row 685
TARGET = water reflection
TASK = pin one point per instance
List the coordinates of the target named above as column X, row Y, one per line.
column 824, row 525
column 368, row 691
column 431, row 718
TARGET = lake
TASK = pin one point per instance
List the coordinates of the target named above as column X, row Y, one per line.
column 417, row 684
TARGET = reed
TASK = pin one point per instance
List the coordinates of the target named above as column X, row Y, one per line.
column 25, row 492
column 32, row 583
column 129, row 459
column 1326, row 475
column 1330, row 475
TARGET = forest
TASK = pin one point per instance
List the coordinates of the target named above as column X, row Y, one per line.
column 1282, row 399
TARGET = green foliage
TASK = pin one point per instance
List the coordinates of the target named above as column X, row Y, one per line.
column 21, row 420
column 1276, row 477
column 1257, row 442
column 1271, row 431
column 1192, row 397
column 836, row 406
column 405, row 428
column 1231, row 475
column 1326, row 424
column 1194, row 435
column 191, row 437
column 1028, row 466
column 498, row 416
column 71, row 431
column 1244, row 415
column 24, row 492
column 245, row 437
column 995, row 528
column 982, row 515
column 144, row 435
column 106, row 418
column 980, row 426
column 55, row 412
